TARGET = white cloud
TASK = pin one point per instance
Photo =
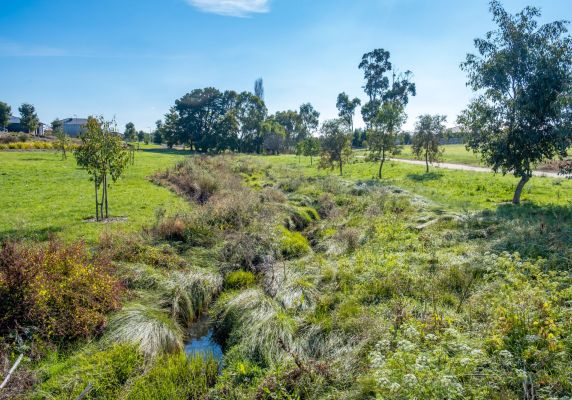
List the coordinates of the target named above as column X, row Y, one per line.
column 232, row 8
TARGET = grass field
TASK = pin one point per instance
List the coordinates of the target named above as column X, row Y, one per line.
column 453, row 153
column 41, row 194
column 459, row 189
column 293, row 264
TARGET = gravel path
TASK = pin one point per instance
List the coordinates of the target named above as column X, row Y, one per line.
column 464, row 167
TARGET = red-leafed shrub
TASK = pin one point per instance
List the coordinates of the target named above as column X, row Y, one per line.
column 59, row 289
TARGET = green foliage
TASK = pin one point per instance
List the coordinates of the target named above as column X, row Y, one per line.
column 239, row 280
column 175, row 377
column 428, row 132
column 346, row 108
column 101, row 153
column 58, row 289
column 524, row 72
column 130, row 133
column 107, row 370
column 5, row 112
column 336, row 146
column 311, row 147
column 28, row 118
column 293, row 244
column 383, row 130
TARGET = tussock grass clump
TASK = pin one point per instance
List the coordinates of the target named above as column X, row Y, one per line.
column 139, row 276
column 150, row 328
column 187, row 294
column 257, row 325
column 175, row 377
column 248, row 249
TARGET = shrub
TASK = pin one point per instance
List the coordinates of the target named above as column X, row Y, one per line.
column 107, row 370
column 293, row 244
column 239, row 280
column 59, row 289
column 176, row 377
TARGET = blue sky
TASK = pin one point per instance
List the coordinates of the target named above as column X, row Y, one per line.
column 132, row 58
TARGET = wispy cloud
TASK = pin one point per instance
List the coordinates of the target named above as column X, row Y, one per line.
column 232, row 8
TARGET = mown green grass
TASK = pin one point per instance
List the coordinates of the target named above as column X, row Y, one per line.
column 41, row 194
column 458, row 189
column 452, row 153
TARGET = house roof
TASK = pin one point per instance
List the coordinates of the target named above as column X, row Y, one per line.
column 14, row 120
column 75, row 121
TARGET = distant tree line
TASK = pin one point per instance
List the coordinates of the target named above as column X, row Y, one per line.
column 212, row 121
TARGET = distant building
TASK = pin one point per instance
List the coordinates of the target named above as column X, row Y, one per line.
column 15, row 125
column 74, row 126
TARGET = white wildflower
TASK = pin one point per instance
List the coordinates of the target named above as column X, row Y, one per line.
column 410, row 380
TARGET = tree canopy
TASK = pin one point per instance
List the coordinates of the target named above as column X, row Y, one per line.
column 384, row 113
column 102, row 154
column 5, row 111
column 425, row 144
column 28, row 118
column 336, row 146
column 523, row 75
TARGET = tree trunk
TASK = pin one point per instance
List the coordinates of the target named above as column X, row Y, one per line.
column 310, row 159
column 106, row 207
column 426, row 162
column 96, row 200
column 381, row 164
column 341, row 171
column 518, row 191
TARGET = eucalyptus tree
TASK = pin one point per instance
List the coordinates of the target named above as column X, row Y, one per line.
column 425, row 143
column 273, row 136
column 346, row 108
column 259, row 89
column 28, row 118
column 384, row 113
column 523, row 75
column 5, row 111
column 292, row 124
column 158, row 132
column 103, row 155
column 170, row 129
column 251, row 113
column 130, row 132
column 309, row 121
column 382, row 140
column 336, row 144
column 311, row 147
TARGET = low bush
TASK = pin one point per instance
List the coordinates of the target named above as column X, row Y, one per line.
column 59, row 289
column 239, row 280
column 176, row 377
